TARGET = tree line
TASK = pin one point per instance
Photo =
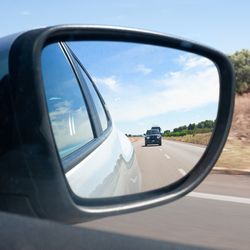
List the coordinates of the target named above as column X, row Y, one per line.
column 193, row 128
column 241, row 62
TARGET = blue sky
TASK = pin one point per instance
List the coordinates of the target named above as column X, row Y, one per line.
column 222, row 24
column 146, row 85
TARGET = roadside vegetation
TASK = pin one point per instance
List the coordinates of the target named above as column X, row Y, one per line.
column 241, row 64
column 202, row 139
column 236, row 153
column 191, row 129
column 199, row 133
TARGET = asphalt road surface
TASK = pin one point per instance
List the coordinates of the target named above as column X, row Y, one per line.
column 162, row 165
column 215, row 216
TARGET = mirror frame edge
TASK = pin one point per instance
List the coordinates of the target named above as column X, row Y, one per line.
column 73, row 208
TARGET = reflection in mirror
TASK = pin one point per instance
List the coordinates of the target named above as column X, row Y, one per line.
column 162, row 103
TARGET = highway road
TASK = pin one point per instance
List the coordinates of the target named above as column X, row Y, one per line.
column 215, row 216
column 162, row 165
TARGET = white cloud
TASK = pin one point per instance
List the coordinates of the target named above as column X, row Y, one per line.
column 181, row 91
column 191, row 61
column 70, row 125
column 143, row 69
column 109, row 82
column 60, row 109
column 55, row 98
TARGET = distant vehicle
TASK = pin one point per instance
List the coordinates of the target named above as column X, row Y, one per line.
column 156, row 127
column 153, row 136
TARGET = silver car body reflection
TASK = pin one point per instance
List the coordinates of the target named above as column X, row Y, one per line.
column 110, row 170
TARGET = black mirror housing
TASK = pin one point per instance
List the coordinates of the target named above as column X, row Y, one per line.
column 32, row 180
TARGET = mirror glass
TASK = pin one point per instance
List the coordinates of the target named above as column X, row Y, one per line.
column 128, row 117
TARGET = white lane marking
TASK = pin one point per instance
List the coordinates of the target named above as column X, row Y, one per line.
column 182, row 171
column 167, row 156
column 160, row 149
column 220, row 197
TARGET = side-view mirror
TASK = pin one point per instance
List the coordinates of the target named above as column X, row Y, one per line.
column 81, row 98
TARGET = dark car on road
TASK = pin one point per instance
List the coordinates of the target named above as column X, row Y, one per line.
column 153, row 136
column 159, row 128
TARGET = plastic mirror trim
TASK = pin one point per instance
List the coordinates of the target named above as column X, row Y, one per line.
column 49, row 193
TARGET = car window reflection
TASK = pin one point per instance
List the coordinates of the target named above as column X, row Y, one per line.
column 67, row 109
column 97, row 101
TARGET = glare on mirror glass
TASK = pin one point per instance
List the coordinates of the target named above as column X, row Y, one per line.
column 158, row 116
